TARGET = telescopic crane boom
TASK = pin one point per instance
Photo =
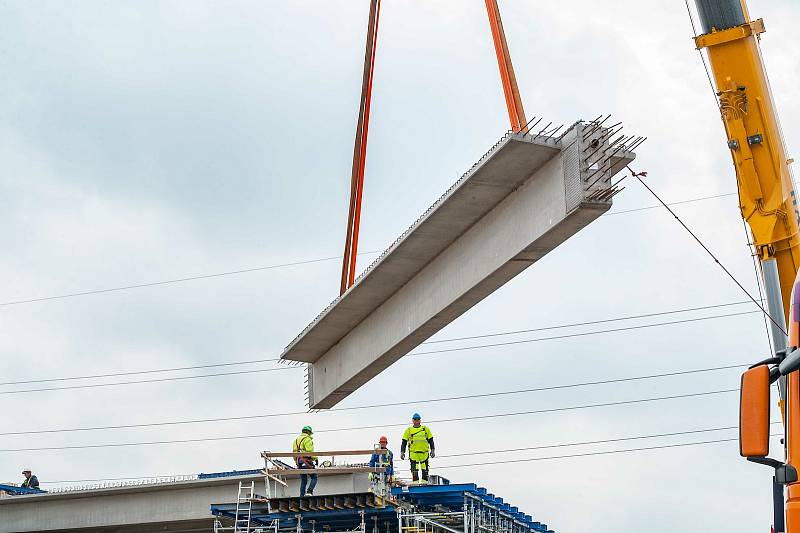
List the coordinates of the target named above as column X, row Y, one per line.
column 768, row 204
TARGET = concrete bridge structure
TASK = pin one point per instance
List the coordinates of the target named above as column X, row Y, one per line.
column 173, row 507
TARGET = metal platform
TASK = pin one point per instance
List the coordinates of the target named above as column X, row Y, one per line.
column 456, row 508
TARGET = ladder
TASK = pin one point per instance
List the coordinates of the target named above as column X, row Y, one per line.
column 244, row 506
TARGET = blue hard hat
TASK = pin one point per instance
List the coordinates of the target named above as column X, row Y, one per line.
column 416, row 416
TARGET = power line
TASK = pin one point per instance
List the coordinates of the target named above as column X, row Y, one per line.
column 670, row 204
column 482, row 452
column 588, row 442
column 588, row 454
column 274, row 359
column 175, row 280
column 272, row 267
column 135, row 372
column 154, row 380
column 587, row 333
column 589, row 323
column 375, row 426
column 390, row 404
column 430, row 352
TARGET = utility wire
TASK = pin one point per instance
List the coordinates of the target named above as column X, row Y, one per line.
column 589, row 323
column 483, row 452
column 176, row 280
column 152, row 371
column 277, row 266
column 587, row 333
column 588, row 442
column 375, row 426
column 389, row 404
column 638, row 176
column 671, row 203
column 274, row 359
column 588, row 454
column 430, row 352
column 154, row 380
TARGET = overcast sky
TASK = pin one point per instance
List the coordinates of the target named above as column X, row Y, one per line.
column 144, row 141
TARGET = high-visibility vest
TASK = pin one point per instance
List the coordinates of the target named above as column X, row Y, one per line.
column 418, row 438
column 304, row 443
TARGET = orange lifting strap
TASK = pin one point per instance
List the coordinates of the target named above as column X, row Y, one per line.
column 513, row 101
column 360, row 152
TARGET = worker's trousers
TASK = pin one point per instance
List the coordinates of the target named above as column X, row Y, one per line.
column 304, row 480
column 421, row 460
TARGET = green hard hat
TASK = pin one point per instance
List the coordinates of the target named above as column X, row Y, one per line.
column 307, row 429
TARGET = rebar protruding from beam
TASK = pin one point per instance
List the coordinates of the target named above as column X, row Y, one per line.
column 525, row 127
column 597, row 125
column 533, row 125
column 550, row 134
column 637, row 144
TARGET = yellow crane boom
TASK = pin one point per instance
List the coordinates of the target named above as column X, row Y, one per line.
column 768, row 204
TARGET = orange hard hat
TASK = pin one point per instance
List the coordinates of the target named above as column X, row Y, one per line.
column 383, row 440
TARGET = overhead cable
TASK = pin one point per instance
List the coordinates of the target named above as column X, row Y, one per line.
column 175, row 280
column 430, row 352
column 583, row 334
column 561, row 445
column 374, row 426
column 372, row 406
column 275, row 359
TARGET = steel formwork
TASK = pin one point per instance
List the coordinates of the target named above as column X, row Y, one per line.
column 447, row 508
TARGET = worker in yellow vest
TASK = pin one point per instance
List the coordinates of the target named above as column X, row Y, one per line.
column 419, row 440
column 305, row 443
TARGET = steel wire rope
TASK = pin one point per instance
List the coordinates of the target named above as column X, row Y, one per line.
column 447, row 350
column 388, row 404
column 638, row 176
column 375, row 426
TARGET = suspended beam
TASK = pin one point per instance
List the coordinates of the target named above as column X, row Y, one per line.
column 526, row 196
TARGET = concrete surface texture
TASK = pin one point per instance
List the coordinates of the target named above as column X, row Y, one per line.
column 526, row 196
column 181, row 506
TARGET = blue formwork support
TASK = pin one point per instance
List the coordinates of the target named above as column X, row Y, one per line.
column 451, row 498
column 18, row 491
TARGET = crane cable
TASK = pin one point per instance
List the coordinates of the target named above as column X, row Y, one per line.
column 516, row 113
column 360, row 152
column 639, row 176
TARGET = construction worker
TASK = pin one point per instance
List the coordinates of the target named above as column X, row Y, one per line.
column 419, row 440
column 31, row 481
column 379, row 460
column 305, row 443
